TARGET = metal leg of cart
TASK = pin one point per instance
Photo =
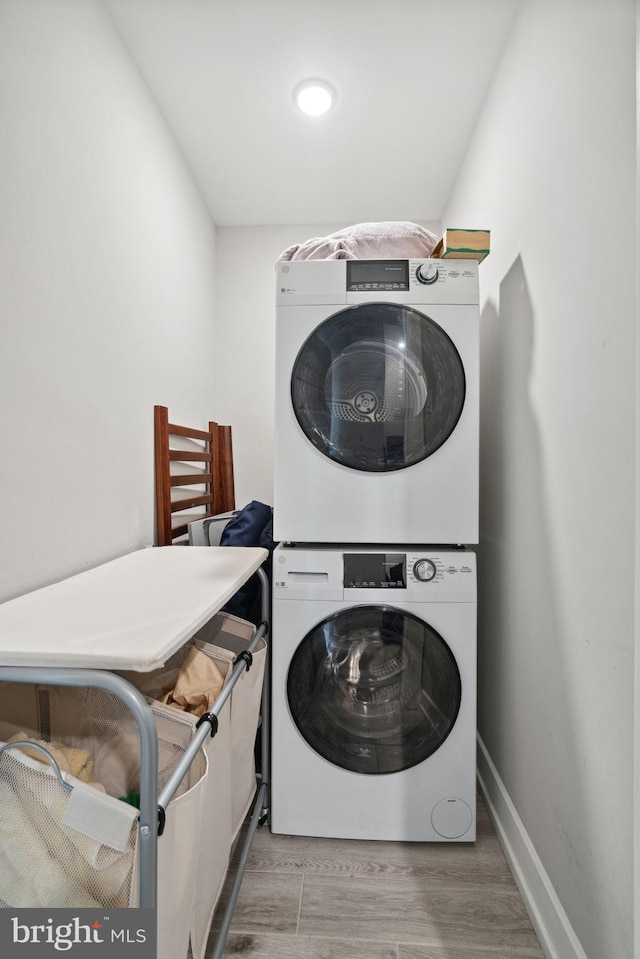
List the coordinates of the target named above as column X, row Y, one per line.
column 261, row 803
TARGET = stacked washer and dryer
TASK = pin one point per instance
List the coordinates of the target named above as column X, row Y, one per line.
column 374, row 584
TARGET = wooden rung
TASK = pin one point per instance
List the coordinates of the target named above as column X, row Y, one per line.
column 191, row 479
column 181, row 504
column 187, row 457
column 178, row 531
column 186, row 431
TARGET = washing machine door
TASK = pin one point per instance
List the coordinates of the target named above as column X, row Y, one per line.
column 374, row 689
column 378, row 387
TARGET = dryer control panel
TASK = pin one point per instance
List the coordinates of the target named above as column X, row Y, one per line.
column 343, row 282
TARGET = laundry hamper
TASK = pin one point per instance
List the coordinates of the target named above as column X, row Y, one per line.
column 95, row 867
column 223, row 638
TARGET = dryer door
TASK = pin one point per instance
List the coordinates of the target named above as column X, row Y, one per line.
column 378, row 387
column 374, row 689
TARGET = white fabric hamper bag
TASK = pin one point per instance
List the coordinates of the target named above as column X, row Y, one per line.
column 232, row 778
column 89, row 837
column 211, row 857
column 223, row 638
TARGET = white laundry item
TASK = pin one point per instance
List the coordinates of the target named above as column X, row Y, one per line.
column 47, row 863
column 30, row 876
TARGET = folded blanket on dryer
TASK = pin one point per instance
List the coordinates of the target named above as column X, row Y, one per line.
column 367, row 241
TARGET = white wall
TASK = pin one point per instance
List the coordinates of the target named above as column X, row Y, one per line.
column 551, row 172
column 245, row 344
column 107, row 258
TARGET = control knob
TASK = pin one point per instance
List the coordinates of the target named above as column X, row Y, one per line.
column 427, row 273
column 424, row 570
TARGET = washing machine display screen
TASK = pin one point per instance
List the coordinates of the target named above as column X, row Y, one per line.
column 378, row 387
column 374, row 689
column 375, row 571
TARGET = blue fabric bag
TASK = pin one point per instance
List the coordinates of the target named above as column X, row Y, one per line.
column 253, row 526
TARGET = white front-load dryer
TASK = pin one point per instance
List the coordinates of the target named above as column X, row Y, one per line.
column 374, row 693
column 376, row 412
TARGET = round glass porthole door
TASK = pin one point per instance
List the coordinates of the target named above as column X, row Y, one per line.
column 378, row 387
column 374, row 689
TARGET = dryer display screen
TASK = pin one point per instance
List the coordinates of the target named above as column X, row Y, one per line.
column 375, row 275
column 375, row 571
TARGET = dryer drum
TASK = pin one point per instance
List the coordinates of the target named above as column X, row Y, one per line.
column 374, row 689
column 371, row 382
column 378, row 387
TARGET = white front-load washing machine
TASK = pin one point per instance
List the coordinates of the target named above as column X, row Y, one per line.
column 376, row 413
column 374, row 693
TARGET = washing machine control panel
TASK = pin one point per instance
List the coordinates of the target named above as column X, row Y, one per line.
column 396, row 574
column 402, row 571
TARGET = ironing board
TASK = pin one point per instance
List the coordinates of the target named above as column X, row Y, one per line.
column 131, row 613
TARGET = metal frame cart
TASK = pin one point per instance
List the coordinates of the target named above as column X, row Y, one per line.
column 132, row 614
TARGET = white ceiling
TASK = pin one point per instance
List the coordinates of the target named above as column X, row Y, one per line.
column 411, row 76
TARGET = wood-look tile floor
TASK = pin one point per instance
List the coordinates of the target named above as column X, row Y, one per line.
column 305, row 898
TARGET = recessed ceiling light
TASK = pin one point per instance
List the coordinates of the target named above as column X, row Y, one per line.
column 314, row 97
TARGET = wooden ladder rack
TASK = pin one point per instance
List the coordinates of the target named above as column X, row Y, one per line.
column 212, row 448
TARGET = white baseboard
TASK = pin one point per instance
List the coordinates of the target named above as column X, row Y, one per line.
column 556, row 935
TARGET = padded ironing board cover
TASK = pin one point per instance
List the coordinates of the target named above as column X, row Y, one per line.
column 131, row 613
